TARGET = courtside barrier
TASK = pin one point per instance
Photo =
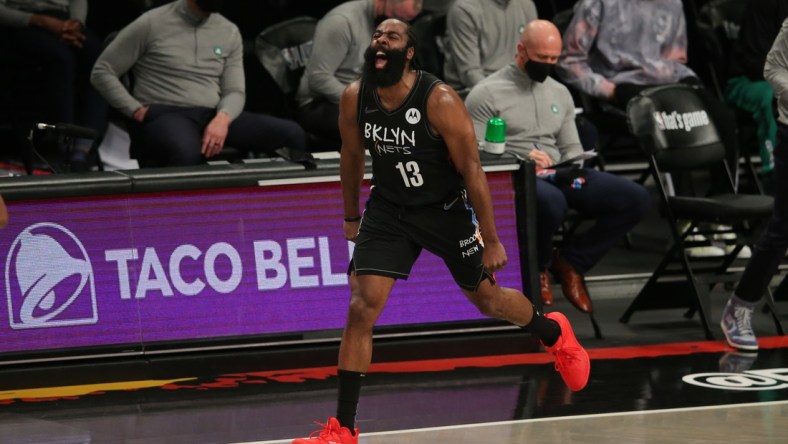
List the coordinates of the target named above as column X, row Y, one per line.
column 214, row 257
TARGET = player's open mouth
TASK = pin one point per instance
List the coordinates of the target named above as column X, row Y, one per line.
column 380, row 60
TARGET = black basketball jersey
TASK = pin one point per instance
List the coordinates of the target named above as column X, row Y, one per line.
column 410, row 164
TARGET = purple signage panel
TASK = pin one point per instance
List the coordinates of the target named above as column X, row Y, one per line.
column 142, row 268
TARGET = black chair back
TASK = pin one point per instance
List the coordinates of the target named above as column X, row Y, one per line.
column 672, row 124
column 284, row 48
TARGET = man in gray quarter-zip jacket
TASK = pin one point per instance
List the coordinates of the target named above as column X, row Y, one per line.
column 187, row 95
column 52, row 34
column 540, row 125
column 482, row 38
column 337, row 59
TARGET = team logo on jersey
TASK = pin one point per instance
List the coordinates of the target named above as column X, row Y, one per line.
column 49, row 279
column 217, row 50
column 388, row 140
column 413, row 116
column 554, row 108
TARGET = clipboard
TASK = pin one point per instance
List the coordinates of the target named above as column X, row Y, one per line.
column 582, row 156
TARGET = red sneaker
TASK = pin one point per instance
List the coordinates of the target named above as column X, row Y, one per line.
column 571, row 359
column 332, row 433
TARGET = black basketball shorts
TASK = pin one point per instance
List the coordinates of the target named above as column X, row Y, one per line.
column 391, row 238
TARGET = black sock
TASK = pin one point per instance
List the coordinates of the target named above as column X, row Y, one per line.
column 547, row 330
column 347, row 400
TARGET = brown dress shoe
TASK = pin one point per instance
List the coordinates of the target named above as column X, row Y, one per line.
column 572, row 284
column 546, row 288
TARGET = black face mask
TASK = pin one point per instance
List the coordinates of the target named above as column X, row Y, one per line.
column 538, row 71
column 396, row 59
column 209, row 6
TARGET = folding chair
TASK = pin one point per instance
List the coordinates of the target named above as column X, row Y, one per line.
column 673, row 128
column 283, row 49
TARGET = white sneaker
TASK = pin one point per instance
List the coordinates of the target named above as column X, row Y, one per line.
column 705, row 251
column 730, row 237
column 745, row 252
column 697, row 237
column 702, row 251
column 724, row 236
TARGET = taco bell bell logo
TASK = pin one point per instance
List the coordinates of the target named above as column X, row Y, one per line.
column 49, row 279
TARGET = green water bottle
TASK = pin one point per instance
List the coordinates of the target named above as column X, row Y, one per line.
column 495, row 136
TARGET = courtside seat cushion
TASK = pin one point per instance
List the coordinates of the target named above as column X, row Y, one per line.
column 722, row 208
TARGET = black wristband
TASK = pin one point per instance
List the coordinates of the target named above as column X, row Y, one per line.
column 353, row 219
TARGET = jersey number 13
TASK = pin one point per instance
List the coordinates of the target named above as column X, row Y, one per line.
column 410, row 174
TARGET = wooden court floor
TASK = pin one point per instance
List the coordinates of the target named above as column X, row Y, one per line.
column 653, row 380
column 754, row 423
column 687, row 392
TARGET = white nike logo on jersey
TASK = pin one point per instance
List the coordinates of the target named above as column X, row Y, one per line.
column 450, row 204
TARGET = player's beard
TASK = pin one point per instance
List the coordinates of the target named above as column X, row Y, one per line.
column 389, row 75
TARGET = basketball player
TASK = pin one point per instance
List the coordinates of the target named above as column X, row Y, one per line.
column 428, row 192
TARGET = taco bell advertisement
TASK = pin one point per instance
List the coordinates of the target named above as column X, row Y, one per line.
column 234, row 262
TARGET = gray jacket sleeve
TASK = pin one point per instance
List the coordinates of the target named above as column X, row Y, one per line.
column 568, row 140
column 775, row 70
column 579, row 38
column 462, row 29
column 116, row 60
column 332, row 41
column 12, row 18
column 78, row 10
column 233, row 83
